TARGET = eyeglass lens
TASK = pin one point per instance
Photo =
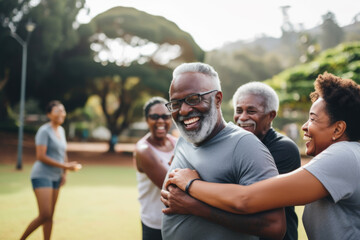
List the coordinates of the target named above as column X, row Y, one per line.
column 191, row 100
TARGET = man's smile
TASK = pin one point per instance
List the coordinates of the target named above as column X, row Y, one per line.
column 191, row 123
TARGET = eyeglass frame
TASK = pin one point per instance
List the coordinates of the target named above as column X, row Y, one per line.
column 156, row 116
column 168, row 105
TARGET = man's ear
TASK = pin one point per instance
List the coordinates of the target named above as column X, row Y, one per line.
column 218, row 99
column 272, row 115
column 339, row 130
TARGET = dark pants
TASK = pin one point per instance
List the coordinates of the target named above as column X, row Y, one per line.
column 150, row 233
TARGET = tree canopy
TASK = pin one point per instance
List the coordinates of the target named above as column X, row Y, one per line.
column 53, row 35
column 123, row 55
column 295, row 84
column 129, row 57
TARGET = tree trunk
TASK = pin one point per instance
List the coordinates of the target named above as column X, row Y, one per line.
column 3, row 104
column 3, row 109
column 112, row 142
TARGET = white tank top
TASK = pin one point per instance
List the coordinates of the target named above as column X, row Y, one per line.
column 149, row 193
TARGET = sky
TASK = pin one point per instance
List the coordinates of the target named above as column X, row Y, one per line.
column 213, row 23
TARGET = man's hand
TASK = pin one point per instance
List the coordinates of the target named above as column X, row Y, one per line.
column 181, row 177
column 178, row 202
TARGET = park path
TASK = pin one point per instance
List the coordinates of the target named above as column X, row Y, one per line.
column 82, row 152
column 99, row 147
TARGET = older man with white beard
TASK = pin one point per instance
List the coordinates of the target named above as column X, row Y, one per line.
column 221, row 152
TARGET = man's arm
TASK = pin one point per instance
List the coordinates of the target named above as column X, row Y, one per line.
column 270, row 224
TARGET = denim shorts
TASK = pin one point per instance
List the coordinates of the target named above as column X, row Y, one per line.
column 45, row 183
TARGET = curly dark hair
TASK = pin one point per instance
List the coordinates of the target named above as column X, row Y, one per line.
column 342, row 98
column 151, row 102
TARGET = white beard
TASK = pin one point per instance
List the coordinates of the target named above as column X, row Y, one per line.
column 207, row 126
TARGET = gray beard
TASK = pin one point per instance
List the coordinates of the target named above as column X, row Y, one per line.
column 207, row 126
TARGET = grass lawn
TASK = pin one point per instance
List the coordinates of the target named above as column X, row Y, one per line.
column 98, row 202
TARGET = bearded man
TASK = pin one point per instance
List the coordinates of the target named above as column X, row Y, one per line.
column 221, row 152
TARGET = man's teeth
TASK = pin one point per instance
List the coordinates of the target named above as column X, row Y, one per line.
column 246, row 125
column 191, row 120
column 161, row 127
column 306, row 138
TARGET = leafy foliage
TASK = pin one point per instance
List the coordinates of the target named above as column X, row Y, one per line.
column 124, row 83
column 53, row 35
column 295, row 84
column 239, row 67
column 71, row 64
column 125, row 22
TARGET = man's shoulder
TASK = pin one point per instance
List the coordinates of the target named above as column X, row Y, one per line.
column 232, row 130
column 234, row 137
column 284, row 151
column 276, row 138
column 278, row 143
column 230, row 137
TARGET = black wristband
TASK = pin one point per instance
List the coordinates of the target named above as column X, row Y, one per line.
column 189, row 184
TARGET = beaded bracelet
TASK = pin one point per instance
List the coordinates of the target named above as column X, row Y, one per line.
column 189, row 184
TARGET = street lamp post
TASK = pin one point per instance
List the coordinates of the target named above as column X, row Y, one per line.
column 30, row 26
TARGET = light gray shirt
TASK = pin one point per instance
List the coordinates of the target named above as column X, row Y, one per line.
column 338, row 215
column 232, row 156
column 55, row 148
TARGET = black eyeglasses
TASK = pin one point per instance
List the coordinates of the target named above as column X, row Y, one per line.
column 192, row 100
column 157, row 116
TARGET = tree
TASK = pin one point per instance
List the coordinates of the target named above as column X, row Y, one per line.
column 54, row 34
column 295, row 84
column 331, row 34
column 308, row 47
column 9, row 16
column 125, row 56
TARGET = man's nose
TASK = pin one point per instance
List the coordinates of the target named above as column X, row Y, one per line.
column 185, row 109
column 243, row 116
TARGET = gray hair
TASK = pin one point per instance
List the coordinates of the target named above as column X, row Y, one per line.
column 198, row 67
column 271, row 99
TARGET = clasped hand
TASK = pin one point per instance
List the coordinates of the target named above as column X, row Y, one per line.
column 180, row 177
column 174, row 197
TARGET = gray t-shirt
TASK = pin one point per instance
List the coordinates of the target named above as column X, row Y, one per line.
column 56, row 149
column 338, row 215
column 232, row 156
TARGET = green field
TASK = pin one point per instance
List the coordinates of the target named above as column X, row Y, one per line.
column 98, row 202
